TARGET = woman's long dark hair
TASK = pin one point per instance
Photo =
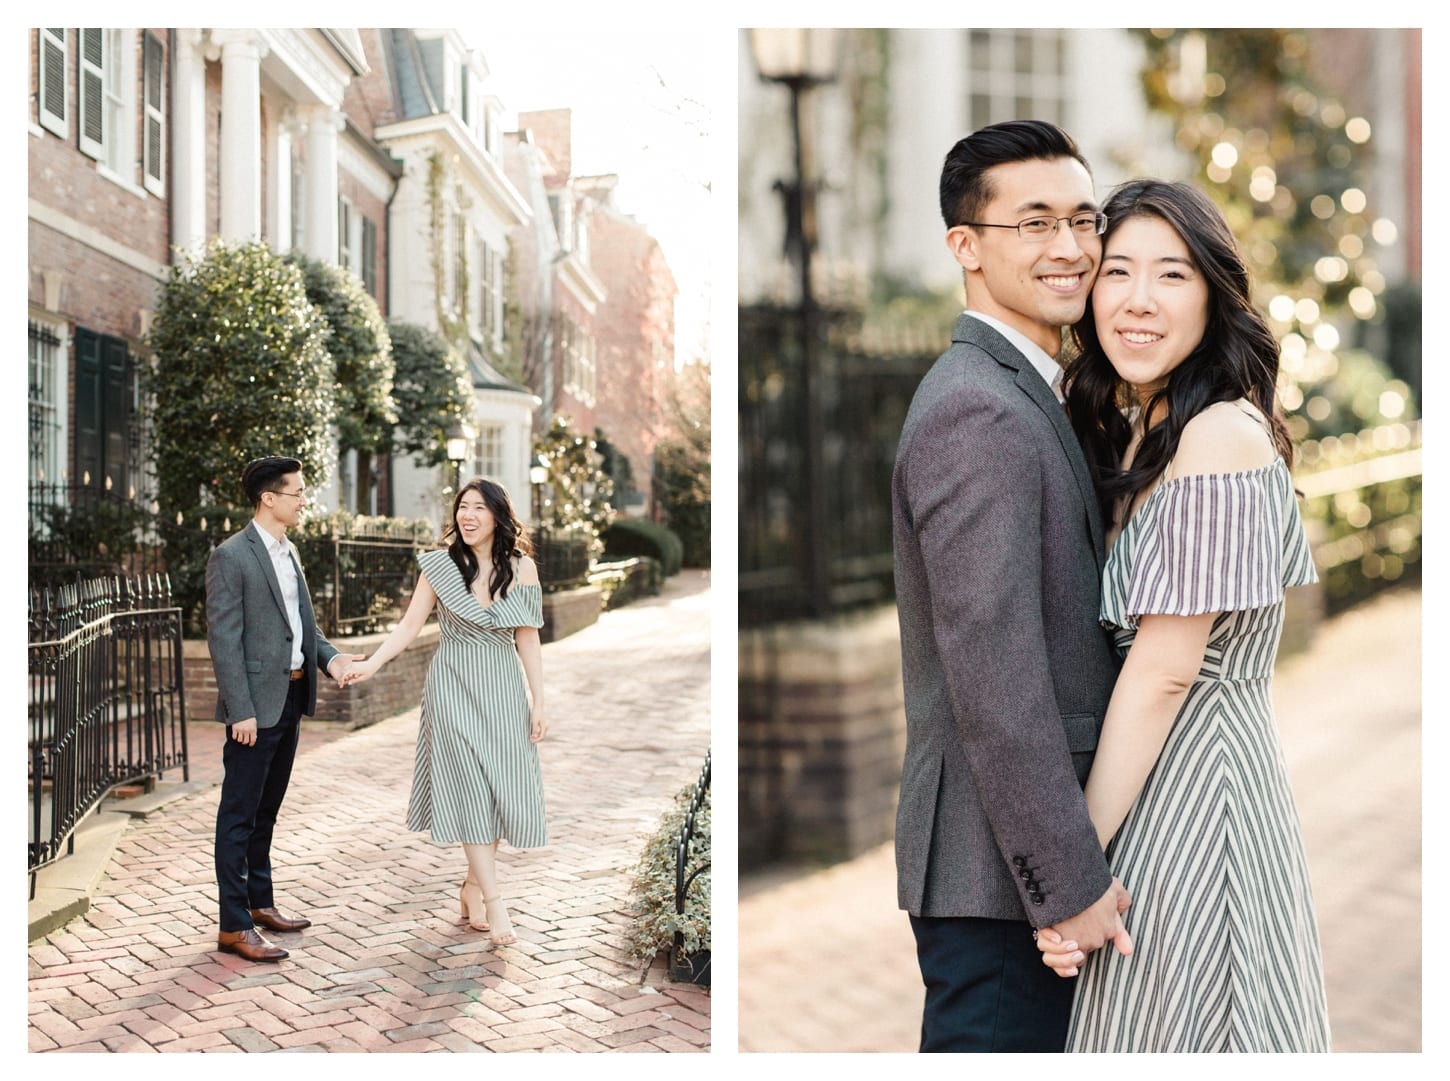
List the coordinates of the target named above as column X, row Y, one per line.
column 510, row 537
column 1237, row 358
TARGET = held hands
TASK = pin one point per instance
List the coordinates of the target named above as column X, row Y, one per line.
column 1064, row 946
column 359, row 671
column 341, row 665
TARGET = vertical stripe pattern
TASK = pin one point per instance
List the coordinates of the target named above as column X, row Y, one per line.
column 1226, row 946
column 476, row 776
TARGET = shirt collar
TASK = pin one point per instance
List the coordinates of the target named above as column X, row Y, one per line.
column 1043, row 364
column 274, row 546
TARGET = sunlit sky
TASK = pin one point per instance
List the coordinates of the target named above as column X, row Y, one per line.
column 645, row 108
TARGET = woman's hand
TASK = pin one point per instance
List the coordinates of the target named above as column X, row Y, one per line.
column 361, row 671
column 1062, row 956
column 537, row 725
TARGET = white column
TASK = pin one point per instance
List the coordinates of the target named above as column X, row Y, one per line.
column 241, row 141
column 188, row 141
column 280, row 184
column 320, row 182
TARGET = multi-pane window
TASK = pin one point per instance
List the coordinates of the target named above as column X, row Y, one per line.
column 488, row 451
column 578, row 357
column 46, row 405
column 107, row 95
column 490, row 300
column 1016, row 75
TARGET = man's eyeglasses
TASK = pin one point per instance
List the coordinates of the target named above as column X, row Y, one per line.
column 301, row 493
column 1042, row 228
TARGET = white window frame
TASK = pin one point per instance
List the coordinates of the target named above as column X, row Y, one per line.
column 55, row 380
column 1005, row 84
column 57, row 40
column 115, row 81
column 488, row 451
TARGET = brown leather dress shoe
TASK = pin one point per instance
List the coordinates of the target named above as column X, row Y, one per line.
column 273, row 920
column 249, row 944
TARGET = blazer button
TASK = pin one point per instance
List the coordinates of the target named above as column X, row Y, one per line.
column 1024, row 874
column 1018, row 861
column 1037, row 898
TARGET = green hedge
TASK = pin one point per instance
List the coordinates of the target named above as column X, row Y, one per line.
column 633, row 537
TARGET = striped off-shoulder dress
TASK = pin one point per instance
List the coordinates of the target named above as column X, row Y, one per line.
column 1226, row 945
column 476, row 776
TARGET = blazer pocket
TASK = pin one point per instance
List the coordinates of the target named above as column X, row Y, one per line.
column 1082, row 741
column 254, row 666
column 1082, row 732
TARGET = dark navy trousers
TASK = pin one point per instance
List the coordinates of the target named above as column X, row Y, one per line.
column 987, row 988
column 253, row 784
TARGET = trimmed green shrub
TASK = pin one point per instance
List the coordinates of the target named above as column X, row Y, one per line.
column 635, row 537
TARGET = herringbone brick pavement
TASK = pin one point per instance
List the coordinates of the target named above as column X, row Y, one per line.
column 1349, row 716
column 387, row 964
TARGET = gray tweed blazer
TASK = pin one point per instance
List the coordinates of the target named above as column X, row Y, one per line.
column 248, row 634
column 998, row 559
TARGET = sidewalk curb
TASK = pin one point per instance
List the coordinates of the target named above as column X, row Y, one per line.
column 63, row 889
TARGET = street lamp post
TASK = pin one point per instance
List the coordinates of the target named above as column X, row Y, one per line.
column 538, row 477
column 802, row 59
column 457, row 439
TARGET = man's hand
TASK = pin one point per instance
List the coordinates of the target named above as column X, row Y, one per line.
column 338, row 667
column 1065, row 945
column 245, row 732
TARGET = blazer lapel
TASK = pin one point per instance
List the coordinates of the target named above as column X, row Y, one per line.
column 269, row 572
column 975, row 332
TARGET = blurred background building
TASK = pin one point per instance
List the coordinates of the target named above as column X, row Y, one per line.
column 1309, row 141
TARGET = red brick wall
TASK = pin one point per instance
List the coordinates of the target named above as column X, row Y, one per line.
column 396, row 689
column 633, row 326
column 62, row 177
column 551, row 128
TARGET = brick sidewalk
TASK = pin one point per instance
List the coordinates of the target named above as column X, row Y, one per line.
column 387, row 966
column 828, row 963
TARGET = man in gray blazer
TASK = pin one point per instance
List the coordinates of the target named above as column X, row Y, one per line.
column 266, row 651
column 998, row 558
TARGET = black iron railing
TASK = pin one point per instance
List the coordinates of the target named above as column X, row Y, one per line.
column 694, row 967
column 106, row 703
column 361, row 572
column 81, row 531
column 562, row 559
column 790, row 569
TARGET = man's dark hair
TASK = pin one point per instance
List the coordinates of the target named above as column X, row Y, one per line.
column 265, row 475
column 965, row 188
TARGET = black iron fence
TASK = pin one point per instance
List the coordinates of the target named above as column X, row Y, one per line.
column 694, row 967
column 106, row 704
column 80, row 531
column 562, row 559
column 863, row 389
column 360, row 570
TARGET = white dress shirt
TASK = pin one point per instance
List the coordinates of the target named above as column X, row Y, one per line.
column 286, row 570
column 1045, row 366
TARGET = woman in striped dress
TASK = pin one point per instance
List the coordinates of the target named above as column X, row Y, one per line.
column 1172, row 395
column 476, row 776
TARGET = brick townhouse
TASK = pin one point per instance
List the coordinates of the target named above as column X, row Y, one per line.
column 380, row 150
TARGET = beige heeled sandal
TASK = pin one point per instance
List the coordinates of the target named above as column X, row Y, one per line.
column 468, row 908
column 498, row 915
